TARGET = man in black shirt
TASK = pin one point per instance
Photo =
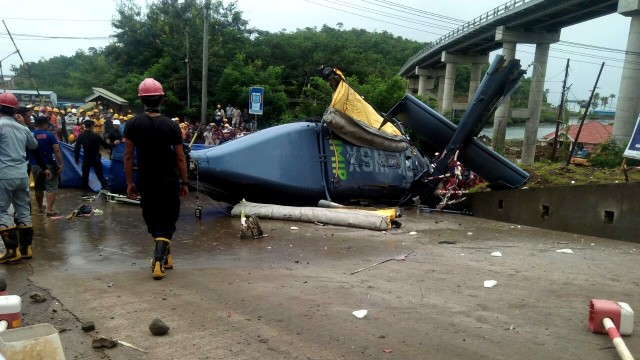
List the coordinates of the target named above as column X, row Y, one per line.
column 162, row 171
column 90, row 142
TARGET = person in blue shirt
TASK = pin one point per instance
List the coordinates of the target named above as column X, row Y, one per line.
column 49, row 150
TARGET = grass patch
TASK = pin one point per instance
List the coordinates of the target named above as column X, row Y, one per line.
column 545, row 174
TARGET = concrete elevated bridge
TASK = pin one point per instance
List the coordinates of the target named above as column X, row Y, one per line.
column 536, row 22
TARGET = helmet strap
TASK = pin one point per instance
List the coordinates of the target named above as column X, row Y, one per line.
column 151, row 110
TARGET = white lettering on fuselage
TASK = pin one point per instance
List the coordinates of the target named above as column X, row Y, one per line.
column 372, row 160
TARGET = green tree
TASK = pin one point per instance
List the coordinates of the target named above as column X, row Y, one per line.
column 595, row 100
column 151, row 41
column 611, row 97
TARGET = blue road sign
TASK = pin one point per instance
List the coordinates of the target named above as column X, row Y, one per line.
column 256, row 100
column 633, row 150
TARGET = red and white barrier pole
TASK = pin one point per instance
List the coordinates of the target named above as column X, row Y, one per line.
column 614, row 335
column 614, row 318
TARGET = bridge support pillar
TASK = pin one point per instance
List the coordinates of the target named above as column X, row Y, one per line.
column 426, row 81
column 628, row 105
column 502, row 113
column 449, row 85
column 535, row 104
column 474, row 82
column 542, row 39
column 450, row 77
column 440, row 91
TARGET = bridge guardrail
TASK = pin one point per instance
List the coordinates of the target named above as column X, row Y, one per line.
column 475, row 22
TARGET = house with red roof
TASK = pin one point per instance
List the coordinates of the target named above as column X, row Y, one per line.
column 593, row 134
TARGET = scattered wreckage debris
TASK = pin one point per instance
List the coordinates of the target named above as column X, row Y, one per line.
column 82, row 210
column 380, row 219
column 118, row 198
column 399, row 257
column 427, row 209
column 124, row 343
column 251, row 225
column 358, row 153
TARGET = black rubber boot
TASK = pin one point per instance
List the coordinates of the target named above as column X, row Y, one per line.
column 10, row 238
column 159, row 256
column 26, row 239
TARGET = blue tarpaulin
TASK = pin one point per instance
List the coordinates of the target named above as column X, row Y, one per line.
column 71, row 176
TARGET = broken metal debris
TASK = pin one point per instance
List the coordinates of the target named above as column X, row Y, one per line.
column 398, row 257
column 131, row 346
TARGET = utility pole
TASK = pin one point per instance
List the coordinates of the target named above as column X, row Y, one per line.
column 575, row 141
column 564, row 91
column 187, row 61
column 23, row 63
column 205, row 62
column 188, row 72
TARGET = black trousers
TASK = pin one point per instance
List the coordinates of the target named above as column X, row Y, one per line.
column 160, row 202
column 97, row 167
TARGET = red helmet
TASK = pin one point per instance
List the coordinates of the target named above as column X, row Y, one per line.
column 8, row 99
column 149, row 87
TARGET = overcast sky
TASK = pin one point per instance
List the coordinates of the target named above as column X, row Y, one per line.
column 39, row 36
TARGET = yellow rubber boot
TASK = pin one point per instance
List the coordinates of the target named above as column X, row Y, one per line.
column 159, row 256
column 10, row 238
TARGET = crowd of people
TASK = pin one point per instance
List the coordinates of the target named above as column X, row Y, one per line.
column 67, row 124
column 31, row 137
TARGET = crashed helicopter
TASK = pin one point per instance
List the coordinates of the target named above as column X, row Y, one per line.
column 356, row 153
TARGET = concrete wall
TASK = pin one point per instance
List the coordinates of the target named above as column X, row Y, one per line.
column 607, row 210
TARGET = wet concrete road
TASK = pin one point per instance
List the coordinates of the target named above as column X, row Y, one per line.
column 290, row 295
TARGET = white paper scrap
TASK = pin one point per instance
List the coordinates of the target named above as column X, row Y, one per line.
column 565, row 251
column 490, row 283
column 360, row 313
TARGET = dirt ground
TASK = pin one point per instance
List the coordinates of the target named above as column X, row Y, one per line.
column 291, row 296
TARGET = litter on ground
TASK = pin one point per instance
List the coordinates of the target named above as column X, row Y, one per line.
column 360, row 313
column 565, row 251
column 490, row 283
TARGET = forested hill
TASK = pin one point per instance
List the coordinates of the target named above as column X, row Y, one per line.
column 152, row 42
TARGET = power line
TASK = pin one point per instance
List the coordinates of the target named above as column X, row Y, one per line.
column 346, row 4
column 61, row 37
column 372, row 18
column 595, row 47
column 416, row 12
column 60, row 19
column 420, row 11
